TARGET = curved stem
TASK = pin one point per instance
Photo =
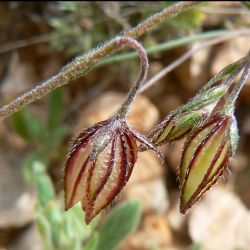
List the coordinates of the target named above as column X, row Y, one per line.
column 83, row 63
column 172, row 44
column 142, row 74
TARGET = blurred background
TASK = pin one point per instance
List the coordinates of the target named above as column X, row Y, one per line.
column 36, row 40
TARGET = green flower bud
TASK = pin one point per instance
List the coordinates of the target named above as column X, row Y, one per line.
column 205, row 157
column 182, row 121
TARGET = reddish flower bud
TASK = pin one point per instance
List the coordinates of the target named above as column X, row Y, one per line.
column 99, row 165
column 205, row 157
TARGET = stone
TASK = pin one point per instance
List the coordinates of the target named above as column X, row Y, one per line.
column 220, row 221
column 173, row 152
column 28, row 239
column 142, row 116
column 154, row 232
column 230, row 52
column 16, row 201
column 19, row 78
column 169, row 103
column 147, row 167
column 193, row 72
column 152, row 194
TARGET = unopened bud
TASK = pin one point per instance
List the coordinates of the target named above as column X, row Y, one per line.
column 99, row 166
column 181, row 122
column 205, row 156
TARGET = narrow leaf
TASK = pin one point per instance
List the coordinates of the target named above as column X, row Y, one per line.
column 93, row 243
column 28, row 126
column 55, row 114
column 44, row 184
column 118, row 224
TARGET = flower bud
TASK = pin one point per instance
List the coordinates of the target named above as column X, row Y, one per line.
column 181, row 122
column 99, row 165
column 205, row 156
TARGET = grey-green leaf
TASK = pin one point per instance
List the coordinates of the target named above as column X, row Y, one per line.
column 118, row 224
column 45, row 230
column 28, row 164
column 28, row 126
column 93, row 243
column 44, row 185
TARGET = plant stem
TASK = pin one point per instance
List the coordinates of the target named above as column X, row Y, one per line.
column 83, row 63
column 142, row 75
column 171, row 45
column 230, row 105
column 152, row 21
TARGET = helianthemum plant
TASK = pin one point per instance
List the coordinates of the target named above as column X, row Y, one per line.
column 102, row 157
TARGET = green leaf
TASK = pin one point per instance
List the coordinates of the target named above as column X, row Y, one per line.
column 56, row 136
column 19, row 124
column 73, row 223
column 55, row 114
column 36, row 128
column 118, row 224
column 45, row 230
column 28, row 126
column 196, row 246
column 93, row 243
column 55, row 218
column 44, row 184
column 28, row 170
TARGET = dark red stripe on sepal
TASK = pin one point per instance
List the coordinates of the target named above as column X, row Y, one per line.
column 76, row 183
column 121, row 179
column 210, row 183
column 213, row 120
column 197, row 178
column 132, row 151
column 110, row 165
column 207, row 182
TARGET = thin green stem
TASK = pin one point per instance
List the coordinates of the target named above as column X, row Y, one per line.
column 230, row 104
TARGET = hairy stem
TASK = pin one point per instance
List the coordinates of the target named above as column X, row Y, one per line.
column 142, row 75
column 83, row 63
column 152, row 21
